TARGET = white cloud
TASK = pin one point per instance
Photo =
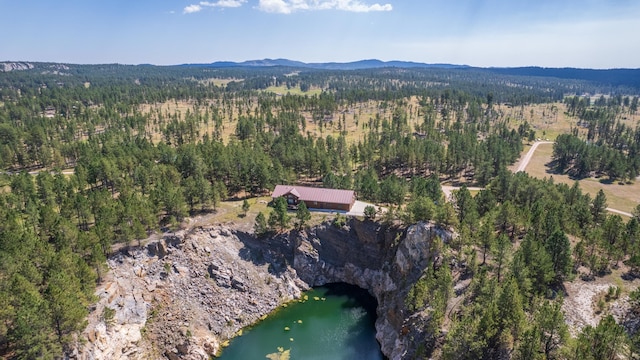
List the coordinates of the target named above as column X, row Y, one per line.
column 275, row 6
column 224, row 3
column 192, row 9
column 289, row 6
column 220, row 3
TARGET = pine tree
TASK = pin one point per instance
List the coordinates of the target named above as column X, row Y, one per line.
column 501, row 253
column 599, row 208
column 466, row 207
column 604, row 342
column 245, row 207
column 559, row 249
column 66, row 304
column 511, row 317
column 539, row 267
column 261, row 227
column 553, row 330
column 420, row 209
column 279, row 216
column 303, row 215
column 486, row 237
column 31, row 331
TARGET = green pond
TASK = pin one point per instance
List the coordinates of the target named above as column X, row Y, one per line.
column 331, row 322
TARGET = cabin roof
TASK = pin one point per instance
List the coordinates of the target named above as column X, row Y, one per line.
column 307, row 194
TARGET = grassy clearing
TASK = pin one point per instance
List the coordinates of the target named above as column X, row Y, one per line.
column 548, row 120
column 168, row 108
column 219, row 82
column 356, row 117
column 231, row 213
column 621, row 197
column 281, row 90
column 551, row 120
column 179, row 109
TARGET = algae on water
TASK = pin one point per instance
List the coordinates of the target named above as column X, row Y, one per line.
column 282, row 354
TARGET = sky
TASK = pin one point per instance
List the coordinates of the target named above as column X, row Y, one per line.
column 499, row 33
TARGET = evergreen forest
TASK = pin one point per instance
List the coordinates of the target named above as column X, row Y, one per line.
column 94, row 158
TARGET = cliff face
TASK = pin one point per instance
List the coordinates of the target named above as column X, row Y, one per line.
column 186, row 294
column 384, row 262
column 183, row 296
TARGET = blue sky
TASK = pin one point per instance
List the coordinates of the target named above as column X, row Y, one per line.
column 551, row 33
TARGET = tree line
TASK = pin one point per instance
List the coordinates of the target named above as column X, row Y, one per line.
column 514, row 251
column 610, row 146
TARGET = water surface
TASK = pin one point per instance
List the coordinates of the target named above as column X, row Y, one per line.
column 334, row 322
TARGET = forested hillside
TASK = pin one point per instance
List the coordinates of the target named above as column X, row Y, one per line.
column 97, row 156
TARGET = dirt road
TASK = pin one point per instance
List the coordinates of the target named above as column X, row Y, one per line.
column 525, row 160
column 522, row 165
column 620, row 212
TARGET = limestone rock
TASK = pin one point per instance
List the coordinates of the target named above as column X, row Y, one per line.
column 368, row 257
column 185, row 294
column 414, row 251
column 212, row 289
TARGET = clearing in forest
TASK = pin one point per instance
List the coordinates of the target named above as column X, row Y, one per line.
column 623, row 196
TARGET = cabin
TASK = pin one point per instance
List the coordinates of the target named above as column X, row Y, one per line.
column 49, row 112
column 316, row 198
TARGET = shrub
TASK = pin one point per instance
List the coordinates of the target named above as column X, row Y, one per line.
column 370, row 212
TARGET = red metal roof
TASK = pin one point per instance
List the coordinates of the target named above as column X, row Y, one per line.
column 308, row 194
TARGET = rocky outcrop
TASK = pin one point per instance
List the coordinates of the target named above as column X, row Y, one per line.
column 183, row 296
column 15, row 66
column 186, row 294
column 384, row 261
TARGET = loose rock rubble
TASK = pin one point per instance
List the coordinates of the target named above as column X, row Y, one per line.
column 183, row 296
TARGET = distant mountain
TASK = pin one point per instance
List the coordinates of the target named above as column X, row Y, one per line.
column 609, row 77
column 376, row 64
column 354, row 65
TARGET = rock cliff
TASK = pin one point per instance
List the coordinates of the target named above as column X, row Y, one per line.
column 384, row 261
column 186, row 294
column 183, row 296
